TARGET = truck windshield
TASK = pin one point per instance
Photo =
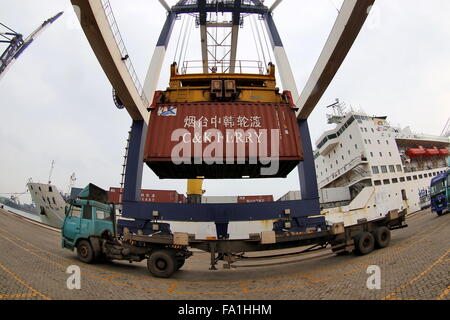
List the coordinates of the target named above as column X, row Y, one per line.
column 438, row 187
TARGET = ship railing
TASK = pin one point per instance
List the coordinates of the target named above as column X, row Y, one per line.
column 123, row 50
column 224, row 66
column 346, row 168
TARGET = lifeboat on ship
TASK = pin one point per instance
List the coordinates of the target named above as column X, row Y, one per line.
column 432, row 152
column 416, row 152
column 443, row 152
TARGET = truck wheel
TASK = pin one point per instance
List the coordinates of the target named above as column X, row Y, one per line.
column 180, row 263
column 85, row 252
column 382, row 237
column 439, row 213
column 364, row 243
column 162, row 263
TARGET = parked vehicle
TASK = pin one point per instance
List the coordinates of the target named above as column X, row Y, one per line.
column 440, row 192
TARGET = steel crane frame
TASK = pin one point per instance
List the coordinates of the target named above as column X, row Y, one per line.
column 348, row 25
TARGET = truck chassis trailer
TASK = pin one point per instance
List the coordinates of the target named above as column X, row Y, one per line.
column 96, row 238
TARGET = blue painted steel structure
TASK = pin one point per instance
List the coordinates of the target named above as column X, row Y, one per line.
column 220, row 214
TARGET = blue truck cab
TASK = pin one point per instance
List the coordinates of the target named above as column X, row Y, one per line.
column 86, row 219
column 440, row 192
column 89, row 220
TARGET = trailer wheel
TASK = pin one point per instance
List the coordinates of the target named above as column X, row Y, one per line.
column 85, row 252
column 364, row 243
column 439, row 213
column 162, row 263
column 382, row 237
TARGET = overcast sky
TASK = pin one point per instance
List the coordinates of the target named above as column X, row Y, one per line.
column 56, row 102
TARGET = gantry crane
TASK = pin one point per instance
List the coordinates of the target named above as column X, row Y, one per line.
column 17, row 44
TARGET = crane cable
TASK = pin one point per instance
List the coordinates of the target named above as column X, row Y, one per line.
column 179, row 37
column 185, row 31
column 188, row 39
column 254, row 39
column 260, row 42
column 264, row 31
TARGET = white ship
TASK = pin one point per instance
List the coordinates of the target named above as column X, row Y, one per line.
column 365, row 157
column 49, row 202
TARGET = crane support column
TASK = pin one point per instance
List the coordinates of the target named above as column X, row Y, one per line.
column 282, row 61
column 306, row 168
column 154, row 70
column 135, row 163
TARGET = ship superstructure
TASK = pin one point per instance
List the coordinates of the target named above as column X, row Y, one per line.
column 365, row 151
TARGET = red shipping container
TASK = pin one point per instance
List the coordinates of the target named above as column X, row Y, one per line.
column 168, row 196
column 184, row 139
column 252, row 199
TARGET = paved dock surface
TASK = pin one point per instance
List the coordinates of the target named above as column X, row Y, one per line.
column 415, row 266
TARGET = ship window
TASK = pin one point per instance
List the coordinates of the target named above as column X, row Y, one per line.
column 408, row 178
column 383, row 169
column 378, row 141
column 365, row 129
column 48, row 199
column 391, row 168
column 342, row 157
column 399, row 168
column 390, row 154
column 50, row 189
column 341, row 145
column 395, row 180
column 402, row 179
column 420, row 176
column 370, row 142
column 350, row 136
column 371, row 154
column 348, row 151
column 415, row 177
column 386, row 181
column 40, row 189
column 375, row 170
column 381, row 154
column 54, row 201
column 426, row 175
column 356, row 146
column 337, row 162
column 362, row 129
column 31, row 187
column 372, row 129
column 377, row 182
